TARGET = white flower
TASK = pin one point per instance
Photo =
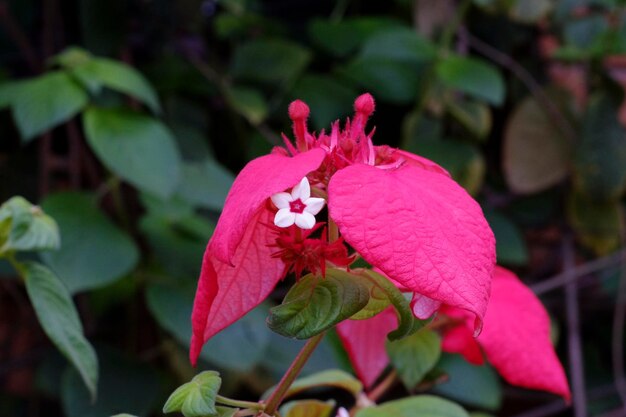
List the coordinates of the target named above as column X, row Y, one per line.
column 342, row 412
column 297, row 207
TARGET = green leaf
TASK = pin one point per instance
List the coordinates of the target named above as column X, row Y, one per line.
column 535, row 154
column 313, row 89
column 315, row 304
column 476, row 386
column 205, row 184
column 598, row 224
column 414, row 356
column 197, row 397
column 510, row 244
column 402, row 45
column 138, row 148
column 41, row 103
column 474, row 116
column 123, row 415
column 530, row 11
column 407, row 323
column 307, row 408
column 269, row 61
column 420, row 406
column 600, row 156
column 125, row 384
column 99, row 72
column 342, row 38
column 94, row 251
column 396, row 82
column 59, row 319
column 25, row 227
column 332, row 378
column 462, row 160
column 248, row 102
column 473, row 77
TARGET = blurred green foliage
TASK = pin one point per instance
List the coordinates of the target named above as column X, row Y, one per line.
column 127, row 120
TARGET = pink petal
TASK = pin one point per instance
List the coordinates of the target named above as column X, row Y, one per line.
column 420, row 228
column 364, row 340
column 423, row 307
column 226, row 293
column 516, row 337
column 421, row 162
column 257, row 181
column 461, row 340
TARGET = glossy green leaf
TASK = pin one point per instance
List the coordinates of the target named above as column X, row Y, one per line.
column 59, row 319
column 94, row 251
column 197, row 397
column 205, row 184
column 598, row 224
column 118, row 76
column 474, row 77
column 414, row 356
column 342, row 38
column 510, row 245
column 248, row 102
column 419, row 406
column 396, row 82
column 125, row 384
column 407, row 323
column 307, row 408
column 315, row 304
column 25, row 227
column 402, row 44
column 476, row 386
column 332, row 378
column 313, row 89
column 138, row 148
column 600, row 156
column 535, row 153
column 39, row 104
column 271, row 61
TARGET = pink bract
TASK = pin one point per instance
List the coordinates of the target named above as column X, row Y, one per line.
column 400, row 212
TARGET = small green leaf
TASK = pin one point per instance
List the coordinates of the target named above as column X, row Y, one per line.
column 598, row 224
column 474, row 116
column 205, row 184
column 333, row 378
column 396, row 82
column 87, row 263
column 535, row 153
column 59, row 319
column 510, row 245
column 25, row 227
column 307, row 408
column 600, row 156
column 269, row 61
column 414, row 356
column 420, row 406
column 197, row 397
column 407, row 323
column 138, row 148
column 41, row 103
column 402, row 44
column 473, row 77
column 315, row 304
column 473, row 385
column 248, row 102
column 98, row 72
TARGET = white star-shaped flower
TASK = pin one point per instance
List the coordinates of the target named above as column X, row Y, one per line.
column 297, row 207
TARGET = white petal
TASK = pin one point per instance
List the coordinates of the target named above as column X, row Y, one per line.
column 281, row 200
column 342, row 412
column 314, row 205
column 305, row 220
column 284, row 218
column 301, row 191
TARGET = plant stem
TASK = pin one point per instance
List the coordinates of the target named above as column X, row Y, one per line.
column 384, row 385
column 240, row 404
column 333, row 231
column 292, row 373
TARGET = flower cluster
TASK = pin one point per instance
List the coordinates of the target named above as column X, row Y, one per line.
column 401, row 213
